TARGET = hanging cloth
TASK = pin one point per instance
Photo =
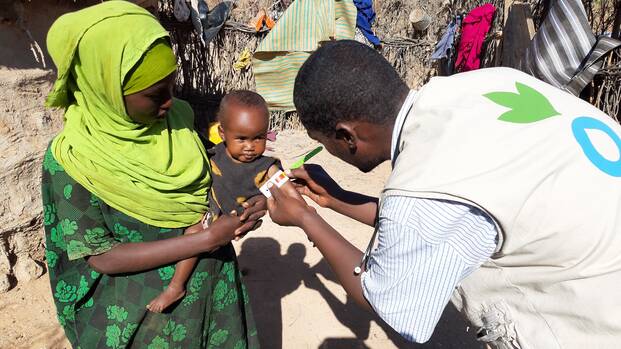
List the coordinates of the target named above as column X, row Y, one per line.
column 301, row 29
column 564, row 51
column 244, row 60
column 208, row 23
column 365, row 19
column 445, row 45
column 476, row 25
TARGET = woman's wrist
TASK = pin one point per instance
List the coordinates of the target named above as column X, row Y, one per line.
column 208, row 240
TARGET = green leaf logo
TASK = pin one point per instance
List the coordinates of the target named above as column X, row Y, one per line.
column 528, row 105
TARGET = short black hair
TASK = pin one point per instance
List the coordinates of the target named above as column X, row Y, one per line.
column 346, row 80
column 244, row 98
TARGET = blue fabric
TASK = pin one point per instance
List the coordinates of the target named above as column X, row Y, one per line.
column 446, row 42
column 365, row 18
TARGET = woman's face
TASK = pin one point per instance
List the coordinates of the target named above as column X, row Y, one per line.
column 151, row 104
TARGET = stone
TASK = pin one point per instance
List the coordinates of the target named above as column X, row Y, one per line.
column 26, row 269
column 420, row 19
column 5, row 263
column 5, row 283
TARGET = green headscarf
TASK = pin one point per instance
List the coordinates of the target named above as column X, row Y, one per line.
column 157, row 173
column 155, row 64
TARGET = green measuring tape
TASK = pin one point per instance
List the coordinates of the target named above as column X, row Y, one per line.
column 306, row 157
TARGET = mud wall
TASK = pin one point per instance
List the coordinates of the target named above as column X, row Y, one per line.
column 26, row 128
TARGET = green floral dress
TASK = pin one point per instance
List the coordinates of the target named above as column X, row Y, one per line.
column 105, row 311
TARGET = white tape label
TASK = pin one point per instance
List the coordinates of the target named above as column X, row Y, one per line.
column 278, row 179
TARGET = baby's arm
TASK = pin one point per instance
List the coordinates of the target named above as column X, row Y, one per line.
column 272, row 170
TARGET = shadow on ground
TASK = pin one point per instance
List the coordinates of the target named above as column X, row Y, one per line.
column 271, row 276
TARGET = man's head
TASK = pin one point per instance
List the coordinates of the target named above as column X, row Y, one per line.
column 348, row 96
column 244, row 119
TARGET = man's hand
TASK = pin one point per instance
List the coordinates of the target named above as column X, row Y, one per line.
column 289, row 208
column 315, row 183
column 286, row 206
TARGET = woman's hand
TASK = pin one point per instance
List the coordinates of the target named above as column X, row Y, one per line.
column 314, row 182
column 254, row 208
column 287, row 207
column 227, row 228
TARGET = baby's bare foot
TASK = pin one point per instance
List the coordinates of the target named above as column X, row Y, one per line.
column 171, row 294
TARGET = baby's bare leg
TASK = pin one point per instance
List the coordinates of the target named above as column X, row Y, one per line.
column 176, row 289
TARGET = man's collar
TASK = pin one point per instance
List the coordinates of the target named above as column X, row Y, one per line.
column 399, row 121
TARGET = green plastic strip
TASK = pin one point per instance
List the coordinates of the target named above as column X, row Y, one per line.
column 306, row 157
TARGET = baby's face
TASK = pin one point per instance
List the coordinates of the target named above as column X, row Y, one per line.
column 244, row 131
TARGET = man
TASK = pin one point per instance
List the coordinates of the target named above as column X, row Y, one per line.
column 504, row 195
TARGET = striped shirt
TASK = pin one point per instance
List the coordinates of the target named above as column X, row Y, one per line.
column 424, row 249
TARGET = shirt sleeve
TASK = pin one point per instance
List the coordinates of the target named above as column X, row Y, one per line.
column 424, row 249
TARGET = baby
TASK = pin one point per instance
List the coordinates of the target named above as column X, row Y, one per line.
column 238, row 169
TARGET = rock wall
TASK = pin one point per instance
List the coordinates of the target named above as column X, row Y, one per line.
column 25, row 130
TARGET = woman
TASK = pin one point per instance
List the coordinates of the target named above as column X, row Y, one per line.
column 121, row 182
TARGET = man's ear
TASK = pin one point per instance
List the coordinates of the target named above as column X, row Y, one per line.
column 346, row 132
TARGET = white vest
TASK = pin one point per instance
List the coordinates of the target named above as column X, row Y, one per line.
column 553, row 189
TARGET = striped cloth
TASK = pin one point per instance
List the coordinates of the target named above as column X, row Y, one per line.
column 564, row 51
column 592, row 64
column 297, row 33
column 424, row 249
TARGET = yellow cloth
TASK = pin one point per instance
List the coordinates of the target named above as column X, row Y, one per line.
column 244, row 60
column 156, row 173
column 214, row 135
column 156, row 64
column 297, row 33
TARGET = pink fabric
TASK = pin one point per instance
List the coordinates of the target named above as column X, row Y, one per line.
column 473, row 32
column 271, row 135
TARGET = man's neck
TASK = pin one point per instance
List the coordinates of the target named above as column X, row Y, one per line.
column 389, row 129
column 386, row 137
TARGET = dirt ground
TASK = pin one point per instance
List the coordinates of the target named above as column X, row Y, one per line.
column 295, row 298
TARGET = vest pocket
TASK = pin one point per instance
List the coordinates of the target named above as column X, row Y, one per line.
column 498, row 328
